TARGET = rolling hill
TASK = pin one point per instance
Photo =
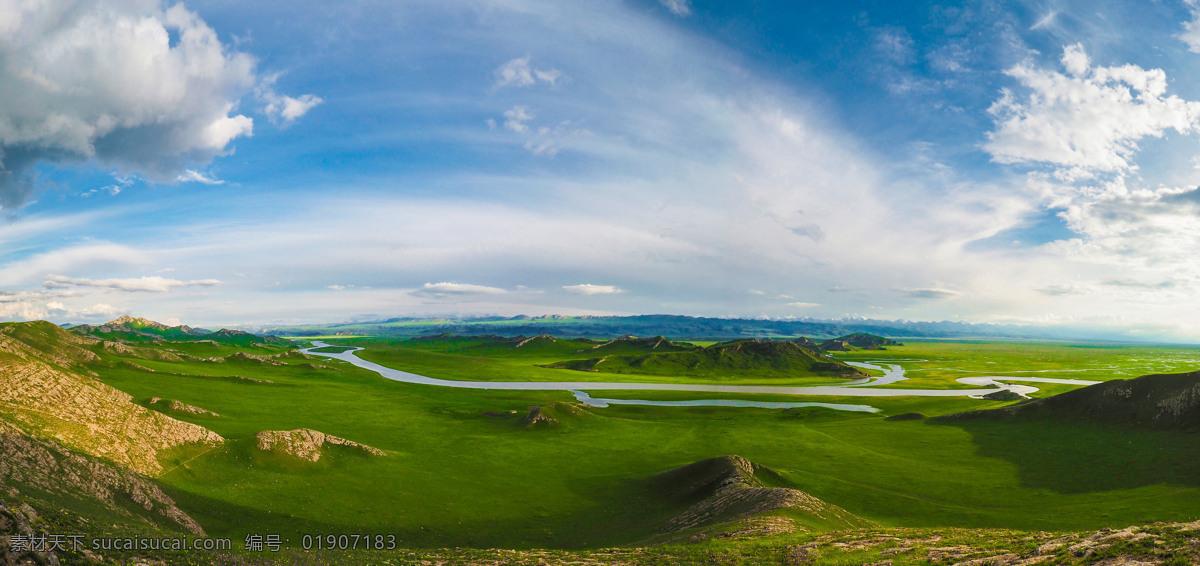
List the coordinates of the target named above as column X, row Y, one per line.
column 1164, row 401
column 659, row 357
column 128, row 329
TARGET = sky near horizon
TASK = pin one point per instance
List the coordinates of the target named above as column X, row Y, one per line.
column 244, row 163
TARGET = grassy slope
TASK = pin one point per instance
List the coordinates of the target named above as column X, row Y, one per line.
column 456, row 477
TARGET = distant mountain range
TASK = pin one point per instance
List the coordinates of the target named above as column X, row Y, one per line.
column 130, row 329
column 688, row 327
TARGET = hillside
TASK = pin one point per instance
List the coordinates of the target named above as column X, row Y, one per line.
column 731, row 491
column 858, row 341
column 781, row 358
column 1165, row 401
column 128, row 329
column 43, row 388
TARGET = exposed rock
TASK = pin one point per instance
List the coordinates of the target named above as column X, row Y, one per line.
column 176, row 405
column 155, row 354
column 263, row 360
column 50, row 467
column 88, row 415
column 654, row 343
column 306, row 443
column 808, row 344
column 537, row 417
column 728, row 490
column 539, row 339
column 19, row 523
column 758, row 527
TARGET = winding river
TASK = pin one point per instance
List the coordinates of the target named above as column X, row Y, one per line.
column 859, row 388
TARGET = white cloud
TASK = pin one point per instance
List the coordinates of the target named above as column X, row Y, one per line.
column 446, row 288
column 590, row 289
column 128, row 84
column 1092, row 117
column 1045, row 21
column 1191, row 29
column 516, row 118
column 281, row 108
column 895, row 44
column 193, row 176
column 678, row 7
column 519, row 73
column 803, row 305
column 153, row 284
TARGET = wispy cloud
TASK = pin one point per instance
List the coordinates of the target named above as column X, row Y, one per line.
column 519, row 73
column 516, row 117
column 193, row 176
column 154, row 284
column 678, row 7
column 590, row 289
column 930, row 293
column 448, row 289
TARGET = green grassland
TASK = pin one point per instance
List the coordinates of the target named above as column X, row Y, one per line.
column 463, row 469
column 935, row 365
column 489, row 359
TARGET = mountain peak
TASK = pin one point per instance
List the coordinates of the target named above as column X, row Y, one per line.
column 127, row 320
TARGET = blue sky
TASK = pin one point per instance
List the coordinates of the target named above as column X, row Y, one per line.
column 221, row 163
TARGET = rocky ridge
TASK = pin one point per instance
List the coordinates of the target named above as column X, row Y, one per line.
column 46, row 465
column 306, row 444
column 36, row 391
column 728, row 489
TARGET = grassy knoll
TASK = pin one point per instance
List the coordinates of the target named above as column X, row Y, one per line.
column 462, row 471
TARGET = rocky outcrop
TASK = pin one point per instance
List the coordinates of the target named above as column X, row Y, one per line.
column 307, row 444
column 18, row 522
column 629, row 341
column 539, row 339
column 85, row 414
column 122, row 349
column 538, row 418
column 728, row 489
column 254, row 358
column 179, row 406
column 48, row 466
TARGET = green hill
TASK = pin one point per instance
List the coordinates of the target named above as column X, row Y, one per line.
column 728, row 492
column 765, row 357
column 634, row 345
column 858, row 341
column 140, row 330
column 1165, row 401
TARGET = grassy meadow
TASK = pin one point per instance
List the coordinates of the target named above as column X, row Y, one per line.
column 463, row 469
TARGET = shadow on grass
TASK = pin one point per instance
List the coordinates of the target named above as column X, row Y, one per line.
column 1080, row 458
